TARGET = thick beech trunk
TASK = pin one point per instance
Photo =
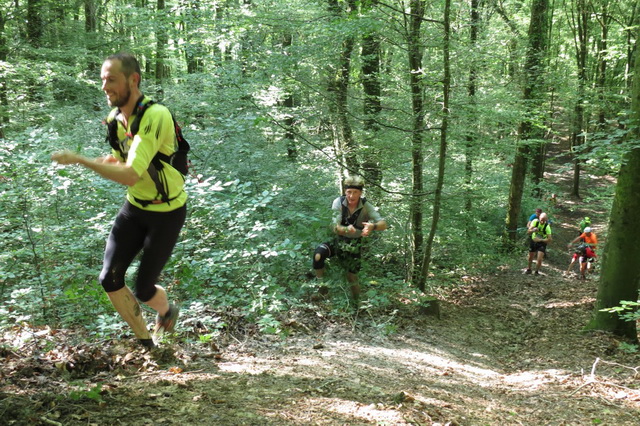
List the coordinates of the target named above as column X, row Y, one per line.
column 620, row 276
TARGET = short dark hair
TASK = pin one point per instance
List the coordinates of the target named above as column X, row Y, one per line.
column 129, row 64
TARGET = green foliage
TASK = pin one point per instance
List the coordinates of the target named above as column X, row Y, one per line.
column 95, row 394
column 627, row 310
column 628, row 348
column 254, row 214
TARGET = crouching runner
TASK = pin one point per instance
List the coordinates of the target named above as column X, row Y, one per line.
column 354, row 218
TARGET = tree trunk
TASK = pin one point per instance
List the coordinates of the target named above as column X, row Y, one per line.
column 372, row 106
column 512, row 45
column 601, row 80
column 437, row 201
column 470, row 138
column 539, row 148
column 161, row 43
column 416, row 8
column 289, row 103
column 193, row 51
column 4, row 102
column 516, row 188
column 34, row 22
column 620, row 267
column 630, row 37
column 90, row 18
column 581, row 25
column 339, row 87
column 90, row 29
column 533, row 97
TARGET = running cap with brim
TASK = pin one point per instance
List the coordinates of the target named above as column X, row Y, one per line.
column 587, row 229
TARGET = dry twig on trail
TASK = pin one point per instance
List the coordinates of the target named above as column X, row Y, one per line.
column 592, row 377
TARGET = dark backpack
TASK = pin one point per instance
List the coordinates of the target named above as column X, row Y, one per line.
column 179, row 160
column 348, row 219
column 581, row 249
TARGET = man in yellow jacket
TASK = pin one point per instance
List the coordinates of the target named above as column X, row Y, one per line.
column 146, row 223
column 540, row 232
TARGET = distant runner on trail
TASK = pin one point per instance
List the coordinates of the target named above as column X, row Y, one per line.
column 540, row 232
column 533, row 217
column 354, row 218
column 585, row 255
column 585, row 222
column 588, row 237
column 145, row 224
column 590, row 240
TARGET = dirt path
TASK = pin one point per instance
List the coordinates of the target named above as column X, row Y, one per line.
column 508, row 349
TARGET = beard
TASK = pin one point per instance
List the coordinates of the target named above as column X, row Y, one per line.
column 119, row 100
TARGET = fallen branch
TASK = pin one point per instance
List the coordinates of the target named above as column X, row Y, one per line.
column 592, row 377
column 50, row 422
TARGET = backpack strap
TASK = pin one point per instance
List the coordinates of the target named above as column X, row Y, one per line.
column 112, row 131
column 536, row 224
column 178, row 160
column 156, row 165
column 140, row 110
column 352, row 219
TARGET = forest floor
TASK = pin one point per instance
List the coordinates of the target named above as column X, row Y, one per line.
column 507, row 349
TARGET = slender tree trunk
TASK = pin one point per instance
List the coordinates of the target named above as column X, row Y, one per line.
column 630, row 32
column 193, row 52
column 34, row 22
column 339, row 88
column 437, row 201
column 372, row 105
column 601, row 80
column 90, row 18
column 161, row 43
column 512, row 45
column 516, row 188
column 470, row 137
column 533, row 97
column 4, row 102
column 580, row 23
column 416, row 9
column 539, row 149
column 345, row 133
column 289, row 103
column 90, row 29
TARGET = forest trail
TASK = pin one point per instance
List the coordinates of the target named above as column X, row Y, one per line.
column 508, row 349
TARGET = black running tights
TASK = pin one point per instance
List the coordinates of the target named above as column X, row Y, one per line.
column 134, row 231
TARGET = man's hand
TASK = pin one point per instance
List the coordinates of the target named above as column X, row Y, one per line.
column 65, row 157
column 108, row 167
column 368, row 228
column 109, row 159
